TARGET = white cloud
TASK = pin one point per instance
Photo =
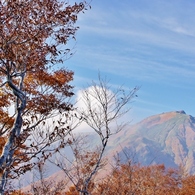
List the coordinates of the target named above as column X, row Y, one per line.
column 81, row 104
column 96, row 97
column 102, row 103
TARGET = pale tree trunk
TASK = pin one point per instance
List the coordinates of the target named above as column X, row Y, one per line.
column 6, row 158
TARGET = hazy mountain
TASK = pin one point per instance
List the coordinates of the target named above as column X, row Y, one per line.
column 167, row 138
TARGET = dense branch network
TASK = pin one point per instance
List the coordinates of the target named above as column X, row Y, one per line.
column 33, row 38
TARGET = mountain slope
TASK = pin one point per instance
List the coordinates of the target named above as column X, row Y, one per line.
column 167, row 138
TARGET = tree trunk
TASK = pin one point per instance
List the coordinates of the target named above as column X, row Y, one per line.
column 6, row 158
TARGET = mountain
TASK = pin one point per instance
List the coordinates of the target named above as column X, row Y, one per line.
column 167, row 138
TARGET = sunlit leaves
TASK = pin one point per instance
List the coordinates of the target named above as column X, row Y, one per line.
column 144, row 180
column 32, row 88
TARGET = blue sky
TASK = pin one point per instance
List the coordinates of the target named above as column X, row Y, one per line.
column 147, row 43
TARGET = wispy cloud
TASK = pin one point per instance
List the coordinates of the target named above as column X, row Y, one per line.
column 144, row 42
column 141, row 65
column 127, row 22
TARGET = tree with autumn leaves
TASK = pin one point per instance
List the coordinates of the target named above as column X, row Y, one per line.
column 35, row 108
column 132, row 178
column 33, row 38
column 128, row 178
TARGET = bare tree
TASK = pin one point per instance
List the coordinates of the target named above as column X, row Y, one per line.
column 102, row 112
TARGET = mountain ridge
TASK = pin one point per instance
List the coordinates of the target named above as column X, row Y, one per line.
column 168, row 137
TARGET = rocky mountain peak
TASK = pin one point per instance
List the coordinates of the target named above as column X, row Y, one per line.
column 167, row 138
column 181, row 112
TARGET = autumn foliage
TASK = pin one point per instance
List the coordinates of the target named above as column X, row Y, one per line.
column 146, row 180
column 135, row 179
column 35, row 109
column 142, row 180
column 34, row 85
